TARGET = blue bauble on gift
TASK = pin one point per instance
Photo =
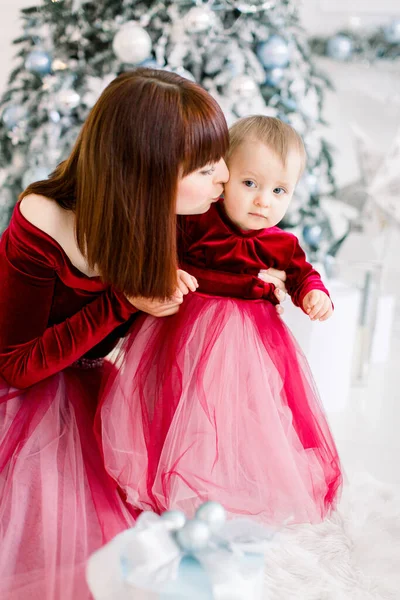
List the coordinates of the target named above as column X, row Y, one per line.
column 38, row 61
column 274, row 52
column 13, row 115
column 340, row 47
column 274, row 76
column 392, row 32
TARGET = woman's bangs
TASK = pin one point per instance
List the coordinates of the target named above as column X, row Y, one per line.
column 207, row 141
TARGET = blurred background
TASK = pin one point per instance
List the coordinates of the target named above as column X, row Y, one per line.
column 332, row 70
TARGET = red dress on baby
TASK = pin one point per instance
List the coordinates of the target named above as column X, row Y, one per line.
column 217, row 402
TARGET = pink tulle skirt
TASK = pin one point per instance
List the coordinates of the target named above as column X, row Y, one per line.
column 57, row 503
column 217, row 403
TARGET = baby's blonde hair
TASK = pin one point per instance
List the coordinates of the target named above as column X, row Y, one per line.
column 275, row 134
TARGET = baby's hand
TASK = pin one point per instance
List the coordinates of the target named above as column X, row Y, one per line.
column 186, row 283
column 317, row 305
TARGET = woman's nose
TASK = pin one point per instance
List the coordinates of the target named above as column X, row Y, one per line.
column 221, row 172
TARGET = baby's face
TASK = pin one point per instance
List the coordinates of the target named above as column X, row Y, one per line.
column 260, row 187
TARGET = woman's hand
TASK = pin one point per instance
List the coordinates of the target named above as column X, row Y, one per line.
column 277, row 278
column 163, row 308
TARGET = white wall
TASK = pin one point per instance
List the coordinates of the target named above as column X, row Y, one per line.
column 322, row 17
column 10, row 28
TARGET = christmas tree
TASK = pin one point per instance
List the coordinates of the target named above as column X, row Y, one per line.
column 252, row 56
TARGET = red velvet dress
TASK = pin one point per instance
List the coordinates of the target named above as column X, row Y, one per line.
column 57, row 502
column 217, row 402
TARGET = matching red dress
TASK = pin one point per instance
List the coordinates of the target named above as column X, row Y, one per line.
column 217, row 402
column 57, row 502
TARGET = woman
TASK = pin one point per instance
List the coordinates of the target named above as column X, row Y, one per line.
column 86, row 250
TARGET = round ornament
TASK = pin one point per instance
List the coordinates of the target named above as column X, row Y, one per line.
column 340, row 47
column 199, row 19
column 274, row 52
column 132, row 43
column 38, row 61
column 213, row 514
column 274, row 77
column 392, row 32
column 194, row 536
column 13, row 115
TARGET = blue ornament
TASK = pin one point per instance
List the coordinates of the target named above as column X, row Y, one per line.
column 340, row 47
column 34, row 174
column 194, row 536
column 150, row 63
column 312, row 235
column 274, row 52
column 213, row 514
column 12, row 115
column 174, row 519
column 38, row 61
column 392, row 32
column 274, row 76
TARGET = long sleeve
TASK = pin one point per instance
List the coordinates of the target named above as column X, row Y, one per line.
column 301, row 276
column 30, row 350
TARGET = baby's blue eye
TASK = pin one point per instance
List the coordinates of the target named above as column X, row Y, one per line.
column 279, row 193
column 248, row 183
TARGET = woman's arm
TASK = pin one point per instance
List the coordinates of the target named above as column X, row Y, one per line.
column 30, row 351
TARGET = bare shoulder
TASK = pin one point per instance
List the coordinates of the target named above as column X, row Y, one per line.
column 45, row 214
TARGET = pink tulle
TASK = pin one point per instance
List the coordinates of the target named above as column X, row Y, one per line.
column 217, row 402
column 57, row 503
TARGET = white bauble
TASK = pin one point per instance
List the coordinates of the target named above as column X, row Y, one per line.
column 132, row 43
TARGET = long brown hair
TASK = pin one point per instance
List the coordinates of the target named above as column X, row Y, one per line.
column 147, row 129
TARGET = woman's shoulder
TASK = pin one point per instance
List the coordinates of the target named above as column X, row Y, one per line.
column 44, row 214
column 30, row 241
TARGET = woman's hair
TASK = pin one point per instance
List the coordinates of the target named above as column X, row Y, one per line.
column 277, row 135
column 147, row 129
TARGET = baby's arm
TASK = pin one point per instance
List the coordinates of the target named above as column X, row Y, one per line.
column 305, row 286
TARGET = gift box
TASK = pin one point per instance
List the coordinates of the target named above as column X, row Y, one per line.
column 156, row 560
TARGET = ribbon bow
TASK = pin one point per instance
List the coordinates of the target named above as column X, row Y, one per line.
column 148, row 558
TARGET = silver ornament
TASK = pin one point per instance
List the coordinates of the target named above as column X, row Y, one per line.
column 213, row 514
column 198, row 19
column 66, row 100
column 174, row 519
column 132, row 43
column 194, row 536
column 340, row 47
column 34, row 174
column 274, row 76
column 392, row 32
column 243, row 86
column 13, row 115
column 274, row 52
column 38, row 61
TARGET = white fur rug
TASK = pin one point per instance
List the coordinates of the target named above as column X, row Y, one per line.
column 353, row 556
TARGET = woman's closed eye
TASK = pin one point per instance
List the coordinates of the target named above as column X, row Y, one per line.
column 208, row 171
